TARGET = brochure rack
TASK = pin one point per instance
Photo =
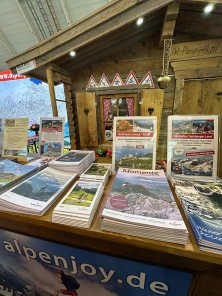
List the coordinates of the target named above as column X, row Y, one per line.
column 206, row 267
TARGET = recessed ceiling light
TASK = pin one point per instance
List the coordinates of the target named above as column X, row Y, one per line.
column 72, row 53
column 209, row 8
column 139, row 21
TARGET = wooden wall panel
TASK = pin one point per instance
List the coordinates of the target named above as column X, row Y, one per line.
column 87, row 122
column 142, row 57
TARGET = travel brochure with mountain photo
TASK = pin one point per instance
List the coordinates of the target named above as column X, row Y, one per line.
column 192, row 151
column 37, row 193
column 74, row 161
column 12, row 172
column 140, row 202
column 78, row 206
column 202, row 204
column 98, row 172
column 134, row 143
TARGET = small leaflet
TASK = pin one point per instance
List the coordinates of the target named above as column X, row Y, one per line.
column 117, row 81
column 147, row 79
column 92, row 82
column 131, row 79
column 104, row 82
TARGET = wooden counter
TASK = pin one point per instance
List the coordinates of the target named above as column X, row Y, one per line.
column 206, row 266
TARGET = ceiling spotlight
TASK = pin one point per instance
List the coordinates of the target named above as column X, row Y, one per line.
column 209, row 8
column 139, row 21
column 72, row 53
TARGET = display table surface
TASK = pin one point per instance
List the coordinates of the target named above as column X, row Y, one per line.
column 207, row 266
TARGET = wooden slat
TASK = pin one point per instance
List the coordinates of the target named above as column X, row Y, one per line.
column 87, row 123
column 178, row 96
column 152, row 98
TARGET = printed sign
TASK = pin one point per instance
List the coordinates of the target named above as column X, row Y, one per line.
column 131, row 79
column 117, row 80
column 32, row 266
column 26, row 67
column 192, row 151
column 92, row 82
column 104, row 82
column 7, row 75
column 147, row 79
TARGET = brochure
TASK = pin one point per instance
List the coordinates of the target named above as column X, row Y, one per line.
column 15, row 138
column 140, row 203
column 192, row 147
column 51, row 140
column 134, row 143
column 36, row 194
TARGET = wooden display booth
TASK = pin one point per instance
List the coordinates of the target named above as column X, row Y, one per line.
column 109, row 42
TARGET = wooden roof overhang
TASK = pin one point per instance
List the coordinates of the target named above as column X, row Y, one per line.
column 102, row 33
column 113, row 28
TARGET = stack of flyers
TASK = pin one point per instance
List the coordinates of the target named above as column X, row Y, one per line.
column 140, row 203
column 75, row 161
column 36, row 194
column 97, row 172
column 78, row 206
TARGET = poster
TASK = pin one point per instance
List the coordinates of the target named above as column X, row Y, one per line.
column 30, row 266
column 0, row 136
column 134, row 143
column 15, row 138
column 51, row 137
column 192, row 147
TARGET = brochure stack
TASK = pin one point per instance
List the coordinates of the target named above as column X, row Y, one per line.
column 11, row 173
column 97, row 172
column 79, row 205
column 36, row 194
column 202, row 204
column 75, row 161
column 140, row 203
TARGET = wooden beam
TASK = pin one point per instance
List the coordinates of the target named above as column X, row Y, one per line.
column 111, row 17
column 61, row 78
column 52, row 92
column 169, row 22
column 58, row 69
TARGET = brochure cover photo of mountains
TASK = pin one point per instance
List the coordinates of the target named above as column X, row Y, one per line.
column 145, row 196
column 43, row 185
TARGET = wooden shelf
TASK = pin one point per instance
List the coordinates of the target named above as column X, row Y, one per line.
column 148, row 251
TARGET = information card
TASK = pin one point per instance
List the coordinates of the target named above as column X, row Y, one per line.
column 192, row 151
column 134, row 142
column 51, row 137
column 15, row 138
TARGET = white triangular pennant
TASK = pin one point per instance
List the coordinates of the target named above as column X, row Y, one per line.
column 92, row 82
column 131, row 79
column 104, row 82
column 147, row 79
column 117, row 81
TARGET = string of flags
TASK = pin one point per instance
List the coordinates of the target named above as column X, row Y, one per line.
column 117, row 81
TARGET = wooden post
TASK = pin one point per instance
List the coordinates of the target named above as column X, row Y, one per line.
column 52, row 91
